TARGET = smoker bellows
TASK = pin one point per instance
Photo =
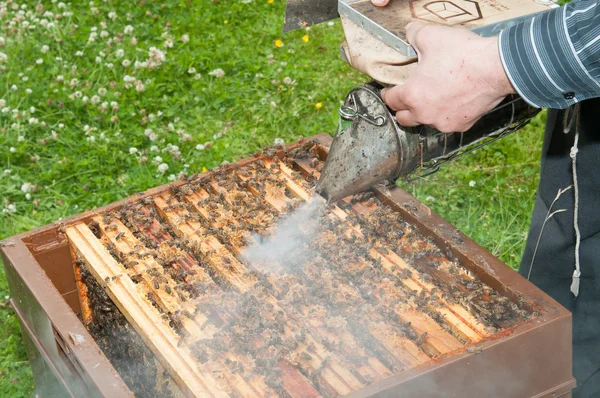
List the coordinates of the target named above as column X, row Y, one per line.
column 374, row 295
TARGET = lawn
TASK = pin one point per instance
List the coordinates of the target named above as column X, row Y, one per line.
column 99, row 101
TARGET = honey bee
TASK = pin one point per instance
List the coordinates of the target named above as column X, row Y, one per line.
column 119, row 235
column 110, row 227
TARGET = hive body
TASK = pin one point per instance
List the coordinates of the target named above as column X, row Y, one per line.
column 242, row 282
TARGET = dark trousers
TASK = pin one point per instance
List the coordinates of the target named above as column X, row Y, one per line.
column 555, row 258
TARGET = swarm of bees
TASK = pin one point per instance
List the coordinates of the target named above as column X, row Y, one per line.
column 341, row 280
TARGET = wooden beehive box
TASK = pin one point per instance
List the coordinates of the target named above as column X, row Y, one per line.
column 374, row 295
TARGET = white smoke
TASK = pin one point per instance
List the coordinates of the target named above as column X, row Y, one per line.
column 292, row 232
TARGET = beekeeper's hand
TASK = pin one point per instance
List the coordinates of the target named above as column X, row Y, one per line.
column 458, row 78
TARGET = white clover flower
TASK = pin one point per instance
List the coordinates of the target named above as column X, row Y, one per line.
column 185, row 38
column 112, row 15
column 60, row 78
column 25, row 78
column 92, row 37
column 169, row 43
column 133, row 41
column 200, row 147
column 28, row 196
column 472, row 183
column 150, row 134
column 287, row 80
column 7, row 172
column 128, row 79
column 218, row 73
column 104, row 34
column 278, row 141
column 133, row 150
column 140, row 65
column 273, row 104
column 32, row 109
column 162, row 168
column 33, row 120
column 126, row 63
column 430, row 199
column 102, row 91
column 3, row 57
column 120, row 53
column 39, row 61
column 330, row 23
column 156, row 58
column 154, row 148
column 95, row 99
column 172, row 177
column 54, row 135
column 61, row 126
column 2, row 103
column 98, row 60
column 13, row 149
column 20, row 138
column 128, row 29
column 110, row 65
column 45, row 48
column 79, row 54
column 28, row 91
column 12, row 208
column 191, row 70
column 151, row 117
column 26, row 187
column 197, row 76
column 2, row 41
column 139, row 87
column 5, row 109
column 61, row 5
column 50, row 25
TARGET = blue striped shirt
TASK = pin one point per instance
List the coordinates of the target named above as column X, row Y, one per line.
column 553, row 60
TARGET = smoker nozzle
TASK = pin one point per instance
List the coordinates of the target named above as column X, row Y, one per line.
column 373, row 147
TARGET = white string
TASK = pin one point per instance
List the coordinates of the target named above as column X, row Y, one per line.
column 573, row 154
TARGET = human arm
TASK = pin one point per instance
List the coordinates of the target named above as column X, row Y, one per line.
column 555, row 66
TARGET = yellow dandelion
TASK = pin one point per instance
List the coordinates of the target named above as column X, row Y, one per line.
column 204, row 169
column 270, row 1
column 278, row 43
column 319, row 105
column 305, row 38
column 225, row 22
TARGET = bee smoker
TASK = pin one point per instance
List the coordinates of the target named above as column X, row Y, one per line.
column 371, row 147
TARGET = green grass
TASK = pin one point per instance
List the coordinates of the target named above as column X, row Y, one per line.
column 61, row 154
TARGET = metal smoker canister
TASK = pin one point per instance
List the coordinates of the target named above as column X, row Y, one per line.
column 370, row 146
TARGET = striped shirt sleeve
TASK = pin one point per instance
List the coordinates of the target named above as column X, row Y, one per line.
column 553, row 60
